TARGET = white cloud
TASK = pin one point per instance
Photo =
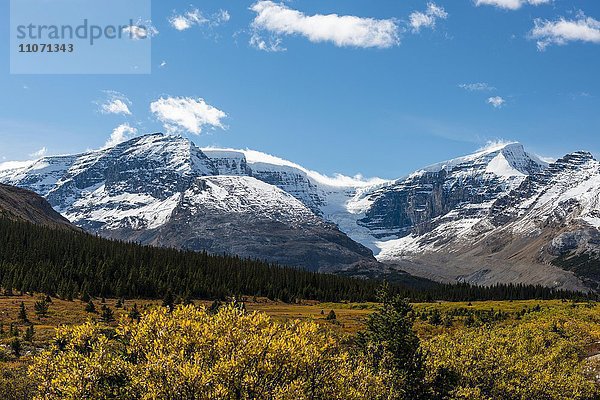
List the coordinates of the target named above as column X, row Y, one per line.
column 40, row 153
column 561, row 32
column 343, row 31
column 272, row 44
column 116, row 103
column 116, row 106
column 186, row 114
column 222, row 16
column 428, row 18
column 184, row 21
column 510, row 4
column 141, row 30
column 496, row 101
column 121, row 134
column 496, row 144
column 477, row 87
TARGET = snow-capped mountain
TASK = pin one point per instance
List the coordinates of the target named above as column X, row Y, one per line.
column 498, row 215
column 512, row 229
column 163, row 190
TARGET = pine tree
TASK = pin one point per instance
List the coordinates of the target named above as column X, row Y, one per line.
column 23, row 313
column 107, row 315
column 29, row 333
column 41, row 308
column 134, row 314
column 90, row 307
column 390, row 341
column 15, row 346
column 168, row 300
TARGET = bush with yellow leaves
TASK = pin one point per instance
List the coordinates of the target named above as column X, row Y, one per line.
column 190, row 354
column 540, row 358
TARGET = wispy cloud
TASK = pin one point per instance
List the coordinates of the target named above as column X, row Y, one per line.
column 194, row 17
column 510, row 4
column 343, row 31
column 116, row 103
column 184, row 21
column 222, row 16
column 563, row 31
column 141, row 30
column 477, row 87
column 496, row 101
column 186, row 114
column 39, row 153
column 495, row 144
column 427, row 19
column 121, row 134
column 271, row 44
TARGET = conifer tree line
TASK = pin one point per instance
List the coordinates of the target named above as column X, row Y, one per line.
column 71, row 264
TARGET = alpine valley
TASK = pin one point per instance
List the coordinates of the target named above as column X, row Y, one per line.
column 500, row 215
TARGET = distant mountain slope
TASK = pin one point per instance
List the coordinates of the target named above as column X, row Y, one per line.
column 163, row 190
column 247, row 217
column 552, row 213
column 20, row 204
column 500, row 215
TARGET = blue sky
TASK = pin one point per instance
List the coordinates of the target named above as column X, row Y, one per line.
column 378, row 95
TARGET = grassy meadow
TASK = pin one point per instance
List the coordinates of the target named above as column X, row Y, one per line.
column 509, row 340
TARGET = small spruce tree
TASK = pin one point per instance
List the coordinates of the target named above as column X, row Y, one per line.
column 29, row 332
column 15, row 346
column 41, row 308
column 23, row 313
column 214, row 307
column 435, row 318
column 90, row 307
column 134, row 314
column 168, row 300
column 107, row 314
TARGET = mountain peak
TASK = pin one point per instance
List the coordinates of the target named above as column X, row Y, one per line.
column 504, row 159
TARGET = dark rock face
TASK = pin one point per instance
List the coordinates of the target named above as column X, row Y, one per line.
column 17, row 203
column 413, row 205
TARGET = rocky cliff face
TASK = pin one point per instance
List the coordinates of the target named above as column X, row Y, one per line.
column 553, row 212
column 458, row 189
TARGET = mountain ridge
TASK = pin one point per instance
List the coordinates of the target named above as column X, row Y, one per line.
column 144, row 189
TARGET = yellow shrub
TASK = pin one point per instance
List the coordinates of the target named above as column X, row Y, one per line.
column 189, row 354
column 536, row 359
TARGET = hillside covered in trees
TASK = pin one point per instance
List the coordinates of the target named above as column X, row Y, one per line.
column 70, row 264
